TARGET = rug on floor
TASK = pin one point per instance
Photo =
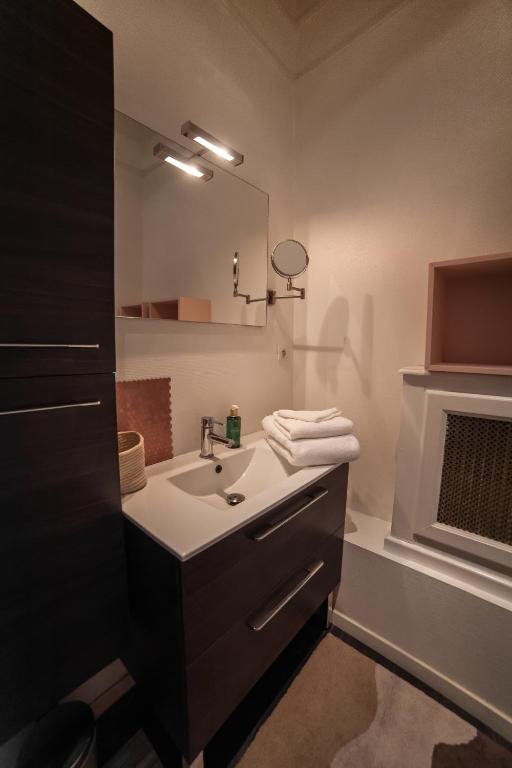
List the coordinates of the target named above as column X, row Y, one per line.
column 345, row 711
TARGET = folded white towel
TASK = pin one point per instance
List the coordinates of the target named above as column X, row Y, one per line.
column 306, row 453
column 349, row 452
column 294, row 429
column 329, row 413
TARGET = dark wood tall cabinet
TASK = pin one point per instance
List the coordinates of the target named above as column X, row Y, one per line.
column 62, row 560
column 56, row 289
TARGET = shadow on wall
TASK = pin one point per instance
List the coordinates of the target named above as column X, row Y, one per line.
column 364, row 359
column 334, row 341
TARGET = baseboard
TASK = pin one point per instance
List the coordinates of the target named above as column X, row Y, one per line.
column 480, row 709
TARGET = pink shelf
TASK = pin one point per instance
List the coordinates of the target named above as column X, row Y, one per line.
column 133, row 310
column 469, row 327
column 182, row 308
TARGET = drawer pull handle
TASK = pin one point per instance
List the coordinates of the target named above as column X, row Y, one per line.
column 50, row 408
column 273, row 528
column 262, row 619
column 49, row 346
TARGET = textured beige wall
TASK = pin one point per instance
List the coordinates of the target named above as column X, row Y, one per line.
column 189, row 59
column 404, row 156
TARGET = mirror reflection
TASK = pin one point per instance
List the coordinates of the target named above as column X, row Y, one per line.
column 176, row 235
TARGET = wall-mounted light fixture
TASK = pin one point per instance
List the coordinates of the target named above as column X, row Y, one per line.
column 210, row 143
column 186, row 164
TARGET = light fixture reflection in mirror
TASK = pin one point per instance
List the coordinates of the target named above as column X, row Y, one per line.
column 289, row 259
column 183, row 163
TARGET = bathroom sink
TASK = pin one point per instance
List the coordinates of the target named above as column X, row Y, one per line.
column 185, row 505
column 235, row 476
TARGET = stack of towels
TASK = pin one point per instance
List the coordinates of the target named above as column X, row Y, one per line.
column 308, row 438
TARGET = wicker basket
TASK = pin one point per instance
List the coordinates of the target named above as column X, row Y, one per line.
column 132, row 468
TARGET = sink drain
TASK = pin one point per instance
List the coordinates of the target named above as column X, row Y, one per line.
column 235, row 498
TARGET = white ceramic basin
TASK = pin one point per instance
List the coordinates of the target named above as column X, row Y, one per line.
column 247, row 471
column 184, row 505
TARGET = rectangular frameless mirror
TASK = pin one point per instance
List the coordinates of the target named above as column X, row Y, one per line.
column 176, row 233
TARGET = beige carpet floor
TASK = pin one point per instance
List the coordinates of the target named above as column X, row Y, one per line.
column 345, row 711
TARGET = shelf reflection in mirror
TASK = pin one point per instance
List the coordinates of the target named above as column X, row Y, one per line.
column 175, row 236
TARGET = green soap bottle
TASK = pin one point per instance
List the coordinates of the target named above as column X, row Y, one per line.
column 234, row 426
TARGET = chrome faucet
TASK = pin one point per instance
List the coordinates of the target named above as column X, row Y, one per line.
column 208, row 437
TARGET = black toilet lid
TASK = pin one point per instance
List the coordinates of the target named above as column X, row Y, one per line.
column 61, row 739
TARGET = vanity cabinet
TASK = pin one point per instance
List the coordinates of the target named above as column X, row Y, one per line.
column 56, row 191
column 205, row 629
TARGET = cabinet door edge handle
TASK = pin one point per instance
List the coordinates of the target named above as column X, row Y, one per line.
column 16, row 411
column 262, row 619
column 273, row 528
column 12, row 345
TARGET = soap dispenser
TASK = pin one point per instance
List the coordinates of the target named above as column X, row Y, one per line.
column 234, row 426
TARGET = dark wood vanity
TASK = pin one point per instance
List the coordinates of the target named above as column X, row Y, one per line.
column 205, row 629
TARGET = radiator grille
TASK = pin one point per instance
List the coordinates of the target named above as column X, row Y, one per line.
column 476, row 481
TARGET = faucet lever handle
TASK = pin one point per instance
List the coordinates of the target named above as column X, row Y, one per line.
column 209, row 422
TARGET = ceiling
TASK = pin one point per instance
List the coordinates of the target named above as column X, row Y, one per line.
column 309, row 31
column 296, row 9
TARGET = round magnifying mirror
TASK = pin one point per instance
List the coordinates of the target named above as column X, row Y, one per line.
column 289, row 258
column 236, row 270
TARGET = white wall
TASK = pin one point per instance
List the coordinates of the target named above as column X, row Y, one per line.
column 404, row 156
column 191, row 60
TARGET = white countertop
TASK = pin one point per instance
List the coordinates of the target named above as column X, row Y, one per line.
column 186, row 524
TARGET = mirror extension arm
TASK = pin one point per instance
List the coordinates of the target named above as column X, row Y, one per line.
column 301, row 293
column 247, row 297
column 271, row 295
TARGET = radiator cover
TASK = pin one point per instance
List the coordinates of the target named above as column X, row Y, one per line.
column 476, row 480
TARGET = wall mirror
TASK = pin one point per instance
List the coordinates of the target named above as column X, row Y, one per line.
column 175, row 234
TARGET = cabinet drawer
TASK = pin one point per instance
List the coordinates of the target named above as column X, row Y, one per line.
column 219, row 679
column 62, row 569
column 235, row 575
